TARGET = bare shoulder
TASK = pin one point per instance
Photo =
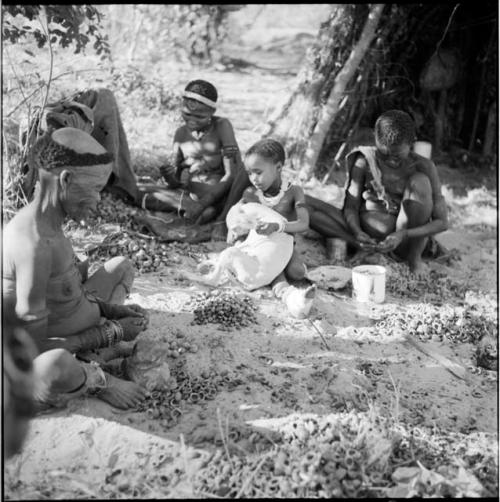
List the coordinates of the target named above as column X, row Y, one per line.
column 297, row 192
column 181, row 134
column 423, row 164
column 21, row 240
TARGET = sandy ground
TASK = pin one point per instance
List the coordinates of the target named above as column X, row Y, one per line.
column 284, row 365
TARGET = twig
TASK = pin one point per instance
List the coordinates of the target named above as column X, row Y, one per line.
column 396, row 393
column 320, row 334
column 438, row 45
column 224, row 442
column 51, row 68
column 250, row 477
column 15, row 74
column 184, row 457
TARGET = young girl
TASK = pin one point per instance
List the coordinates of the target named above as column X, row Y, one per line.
column 205, row 150
column 263, row 163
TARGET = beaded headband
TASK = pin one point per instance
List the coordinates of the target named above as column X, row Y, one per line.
column 200, row 98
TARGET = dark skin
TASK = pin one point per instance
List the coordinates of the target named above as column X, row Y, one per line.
column 215, row 186
column 422, row 212
column 265, row 175
column 35, row 252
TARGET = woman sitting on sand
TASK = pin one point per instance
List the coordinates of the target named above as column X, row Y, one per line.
column 206, row 159
column 43, row 288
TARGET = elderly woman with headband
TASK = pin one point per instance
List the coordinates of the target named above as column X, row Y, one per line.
column 47, row 294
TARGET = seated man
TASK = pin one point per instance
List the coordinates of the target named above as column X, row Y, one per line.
column 43, row 287
column 393, row 196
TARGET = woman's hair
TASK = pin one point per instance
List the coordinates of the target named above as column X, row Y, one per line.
column 203, row 88
column 268, row 149
column 395, row 127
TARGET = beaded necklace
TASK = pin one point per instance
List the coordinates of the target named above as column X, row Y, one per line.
column 272, row 200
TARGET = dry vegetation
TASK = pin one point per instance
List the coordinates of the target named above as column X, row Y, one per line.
column 342, row 414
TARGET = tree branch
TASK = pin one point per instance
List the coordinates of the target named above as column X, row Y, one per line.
column 331, row 108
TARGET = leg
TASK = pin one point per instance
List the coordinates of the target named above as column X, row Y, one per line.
column 112, row 282
column 155, row 198
column 328, row 220
column 60, row 377
column 238, row 186
column 377, row 224
column 416, row 210
column 295, row 270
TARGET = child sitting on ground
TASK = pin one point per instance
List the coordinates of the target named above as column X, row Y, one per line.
column 205, row 150
column 263, row 163
column 393, row 197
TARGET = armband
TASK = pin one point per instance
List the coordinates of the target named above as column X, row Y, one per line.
column 230, row 151
column 301, row 203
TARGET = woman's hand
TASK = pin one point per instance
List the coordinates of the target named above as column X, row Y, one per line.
column 132, row 326
column 266, row 228
column 133, row 310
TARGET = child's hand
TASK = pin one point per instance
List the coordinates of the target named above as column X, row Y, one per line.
column 365, row 241
column 265, row 228
column 392, row 241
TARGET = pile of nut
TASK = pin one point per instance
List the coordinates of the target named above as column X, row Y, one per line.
column 148, row 255
column 317, row 459
column 224, row 308
column 434, row 287
column 167, row 406
column 430, row 322
column 343, row 455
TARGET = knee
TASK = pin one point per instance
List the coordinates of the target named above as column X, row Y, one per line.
column 295, row 271
column 58, row 369
column 122, row 268
column 420, row 184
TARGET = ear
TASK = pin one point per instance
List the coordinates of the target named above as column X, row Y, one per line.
column 65, row 179
column 279, row 166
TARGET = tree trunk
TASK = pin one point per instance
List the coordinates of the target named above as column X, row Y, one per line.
column 491, row 131
column 303, row 120
column 329, row 111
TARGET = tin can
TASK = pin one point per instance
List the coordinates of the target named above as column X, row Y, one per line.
column 336, row 249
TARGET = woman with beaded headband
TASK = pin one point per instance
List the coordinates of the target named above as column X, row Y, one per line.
column 48, row 295
column 206, row 154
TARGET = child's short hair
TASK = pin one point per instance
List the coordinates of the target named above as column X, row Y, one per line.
column 202, row 91
column 269, row 149
column 395, row 127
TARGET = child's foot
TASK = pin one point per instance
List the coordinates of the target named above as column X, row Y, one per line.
column 299, row 300
column 418, row 268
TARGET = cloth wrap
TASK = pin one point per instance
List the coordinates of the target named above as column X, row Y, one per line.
column 257, row 260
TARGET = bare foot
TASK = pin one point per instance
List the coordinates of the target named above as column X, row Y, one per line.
column 418, row 268
column 310, row 292
column 121, row 349
column 299, row 300
column 121, row 393
column 219, row 231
